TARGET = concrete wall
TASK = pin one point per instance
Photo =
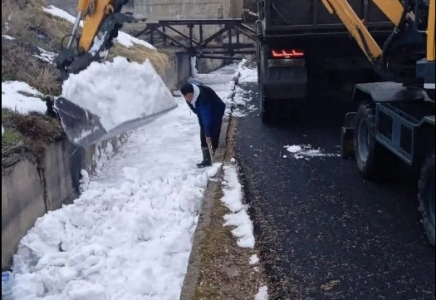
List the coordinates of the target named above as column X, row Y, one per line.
column 172, row 9
column 30, row 188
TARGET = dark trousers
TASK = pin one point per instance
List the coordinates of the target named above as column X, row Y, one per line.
column 215, row 135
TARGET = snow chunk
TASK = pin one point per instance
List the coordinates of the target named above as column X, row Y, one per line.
column 123, row 38
column 20, row 97
column 46, row 55
column 247, row 74
column 129, row 41
column 306, row 151
column 239, row 217
column 263, row 294
column 254, row 260
column 57, row 12
column 294, row 148
column 8, row 37
column 120, row 91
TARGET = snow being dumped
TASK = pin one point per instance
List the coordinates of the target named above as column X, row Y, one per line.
column 307, row 152
column 119, row 91
column 20, row 97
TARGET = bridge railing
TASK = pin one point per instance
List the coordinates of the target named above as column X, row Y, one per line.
column 231, row 39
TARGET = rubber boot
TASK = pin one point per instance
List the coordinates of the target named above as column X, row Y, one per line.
column 207, row 162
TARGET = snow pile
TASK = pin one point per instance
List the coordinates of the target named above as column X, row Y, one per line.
column 123, row 38
column 306, row 151
column 119, row 91
column 263, row 294
column 129, row 235
column 239, row 216
column 20, row 97
column 246, row 74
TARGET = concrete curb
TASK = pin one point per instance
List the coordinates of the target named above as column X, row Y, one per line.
column 193, row 273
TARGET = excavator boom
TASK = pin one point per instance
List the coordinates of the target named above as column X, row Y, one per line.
column 101, row 21
column 397, row 59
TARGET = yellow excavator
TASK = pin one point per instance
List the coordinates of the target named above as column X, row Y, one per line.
column 395, row 118
column 101, row 21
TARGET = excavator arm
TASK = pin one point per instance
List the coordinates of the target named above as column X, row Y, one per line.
column 101, row 21
column 395, row 56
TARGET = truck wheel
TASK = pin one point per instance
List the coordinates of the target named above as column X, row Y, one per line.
column 373, row 160
column 427, row 197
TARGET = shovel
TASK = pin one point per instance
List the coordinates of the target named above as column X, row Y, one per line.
column 209, row 146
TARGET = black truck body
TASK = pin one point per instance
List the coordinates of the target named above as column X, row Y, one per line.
column 301, row 45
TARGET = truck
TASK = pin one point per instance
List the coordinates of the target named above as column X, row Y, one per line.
column 393, row 122
column 301, row 47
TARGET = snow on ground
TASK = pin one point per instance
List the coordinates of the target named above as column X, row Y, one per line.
column 239, row 217
column 123, row 38
column 20, row 97
column 254, row 260
column 129, row 235
column 46, row 56
column 242, row 102
column 247, row 74
column 306, row 152
column 8, row 37
column 263, row 294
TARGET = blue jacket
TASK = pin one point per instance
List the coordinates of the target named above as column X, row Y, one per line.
column 209, row 108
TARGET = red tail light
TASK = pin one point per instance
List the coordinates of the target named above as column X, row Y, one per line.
column 287, row 53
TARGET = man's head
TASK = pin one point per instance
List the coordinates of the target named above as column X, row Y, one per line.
column 188, row 92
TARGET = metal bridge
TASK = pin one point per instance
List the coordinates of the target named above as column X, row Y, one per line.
column 231, row 41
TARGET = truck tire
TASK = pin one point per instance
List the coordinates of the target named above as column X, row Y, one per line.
column 426, row 197
column 373, row 160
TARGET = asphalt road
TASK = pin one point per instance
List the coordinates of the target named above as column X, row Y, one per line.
column 323, row 231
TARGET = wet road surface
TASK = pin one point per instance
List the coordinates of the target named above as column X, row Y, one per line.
column 324, row 232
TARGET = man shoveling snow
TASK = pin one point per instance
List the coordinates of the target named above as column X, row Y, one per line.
column 209, row 108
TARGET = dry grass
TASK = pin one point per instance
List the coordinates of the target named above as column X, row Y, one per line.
column 225, row 273
column 139, row 53
column 35, row 131
column 18, row 63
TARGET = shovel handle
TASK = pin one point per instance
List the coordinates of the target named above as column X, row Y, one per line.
column 209, row 146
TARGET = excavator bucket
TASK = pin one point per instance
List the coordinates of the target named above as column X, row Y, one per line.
column 84, row 128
